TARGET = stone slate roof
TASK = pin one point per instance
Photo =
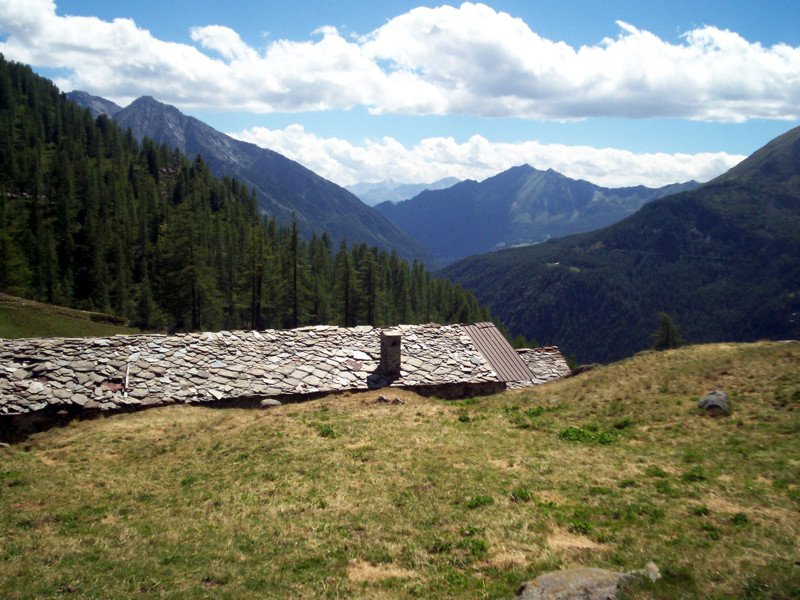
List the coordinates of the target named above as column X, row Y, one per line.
column 129, row 371
column 546, row 363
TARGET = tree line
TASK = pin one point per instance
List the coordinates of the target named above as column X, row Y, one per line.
column 91, row 218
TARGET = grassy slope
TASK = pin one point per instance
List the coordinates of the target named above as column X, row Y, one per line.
column 344, row 497
column 20, row 318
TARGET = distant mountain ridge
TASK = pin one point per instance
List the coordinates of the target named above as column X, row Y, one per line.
column 284, row 187
column 373, row 193
column 723, row 260
column 96, row 105
column 520, row 206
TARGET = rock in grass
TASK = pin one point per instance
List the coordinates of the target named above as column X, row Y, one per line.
column 581, row 584
column 716, row 402
column 269, row 403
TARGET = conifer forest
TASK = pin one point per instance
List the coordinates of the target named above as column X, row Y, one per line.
column 92, row 218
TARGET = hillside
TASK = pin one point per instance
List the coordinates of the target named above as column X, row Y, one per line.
column 92, row 219
column 723, row 260
column 284, row 187
column 21, row 318
column 518, row 207
column 352, row 497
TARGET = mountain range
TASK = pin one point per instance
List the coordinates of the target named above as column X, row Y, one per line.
column 375, row 192
column 285, row 189
column 723, row 260
column 518, row 207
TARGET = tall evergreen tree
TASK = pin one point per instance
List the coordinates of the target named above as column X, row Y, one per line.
column 666, row 336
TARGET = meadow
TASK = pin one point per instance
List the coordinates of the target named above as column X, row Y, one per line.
column 351, row 497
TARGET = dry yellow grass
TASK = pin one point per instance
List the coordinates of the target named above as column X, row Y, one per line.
column 348, row 497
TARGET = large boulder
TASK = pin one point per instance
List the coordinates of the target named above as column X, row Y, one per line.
column 581, row 584
column 716, row 403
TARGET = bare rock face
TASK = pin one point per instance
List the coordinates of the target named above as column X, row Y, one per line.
column 581, row 584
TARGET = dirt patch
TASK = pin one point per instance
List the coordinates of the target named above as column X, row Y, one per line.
column 564, row 542
column 29, row 506
column 765, row 515
column 504, row 560
column 505, row 464
column 363, row 571
column 48, row 460
column 550, row 496
column 722, row 505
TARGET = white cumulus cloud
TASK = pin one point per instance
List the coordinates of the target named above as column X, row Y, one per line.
column 478, row 158
column 468, row 60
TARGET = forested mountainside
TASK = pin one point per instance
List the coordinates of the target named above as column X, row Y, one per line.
column 518, row 207
column 723, row 260
column 285, row 189
column 91, row 218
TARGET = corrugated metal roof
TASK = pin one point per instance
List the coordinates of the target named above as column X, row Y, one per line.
column 498, row 352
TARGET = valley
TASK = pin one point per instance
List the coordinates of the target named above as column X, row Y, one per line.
column 362, row 300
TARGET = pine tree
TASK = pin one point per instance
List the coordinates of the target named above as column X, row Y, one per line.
column 666, row 336
column 345, row 286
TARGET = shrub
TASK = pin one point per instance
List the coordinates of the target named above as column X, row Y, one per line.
column 582, row 527
column 521, row 494
column 694, row 474
column 475, row 546
column 740, row 519
column 663, row 487
column 655, row 471
column 712, row 531
column 325, row 430
column 479, row 500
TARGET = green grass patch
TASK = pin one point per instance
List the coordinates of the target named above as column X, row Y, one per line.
column 587, row 434
column 20, row 318
column 479, row 500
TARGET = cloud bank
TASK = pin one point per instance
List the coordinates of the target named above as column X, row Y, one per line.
column 478, row 158
column 467, row 60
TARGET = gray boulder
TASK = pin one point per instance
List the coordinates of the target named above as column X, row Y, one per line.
column 582, row 584
column 716, row 402
column 269, row 403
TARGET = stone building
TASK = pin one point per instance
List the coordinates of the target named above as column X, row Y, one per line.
column 45, row 378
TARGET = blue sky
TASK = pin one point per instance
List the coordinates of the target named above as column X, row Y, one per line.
column 619, row 93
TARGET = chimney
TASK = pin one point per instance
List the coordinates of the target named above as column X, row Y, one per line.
column 390, row 352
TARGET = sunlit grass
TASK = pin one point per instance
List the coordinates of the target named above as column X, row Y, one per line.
column 20, row 318
column 346, row 497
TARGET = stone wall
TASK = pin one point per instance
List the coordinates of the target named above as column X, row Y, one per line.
column 72, row 376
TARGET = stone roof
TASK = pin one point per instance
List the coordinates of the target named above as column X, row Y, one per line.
column 129, row 371
column 546, row 363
